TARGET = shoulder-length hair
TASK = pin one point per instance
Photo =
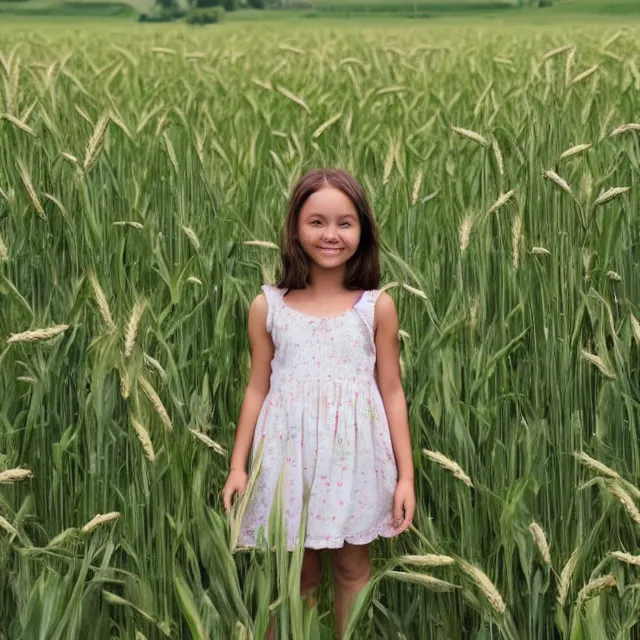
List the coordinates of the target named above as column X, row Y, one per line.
column 363, row 268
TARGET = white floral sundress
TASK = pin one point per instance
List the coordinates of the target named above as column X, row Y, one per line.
column 324, row 425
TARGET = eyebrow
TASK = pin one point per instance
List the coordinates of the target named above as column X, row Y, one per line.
column 341, row 215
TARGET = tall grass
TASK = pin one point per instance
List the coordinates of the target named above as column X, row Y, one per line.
column 135, row 165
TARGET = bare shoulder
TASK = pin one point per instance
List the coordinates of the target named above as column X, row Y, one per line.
column 385, row 311
column 258, row 312
column 259, row 305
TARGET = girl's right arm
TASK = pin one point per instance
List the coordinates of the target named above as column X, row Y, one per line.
column 262, row 351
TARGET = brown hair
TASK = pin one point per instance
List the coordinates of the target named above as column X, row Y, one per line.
column 363, row 269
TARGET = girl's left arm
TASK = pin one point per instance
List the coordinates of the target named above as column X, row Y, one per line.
column 395, row 405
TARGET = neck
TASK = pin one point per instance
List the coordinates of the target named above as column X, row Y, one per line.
column 327, row 280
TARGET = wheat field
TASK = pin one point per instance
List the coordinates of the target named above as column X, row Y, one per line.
column 143, row 179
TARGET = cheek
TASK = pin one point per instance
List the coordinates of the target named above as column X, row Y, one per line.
column 304, row 235
column 354, row 238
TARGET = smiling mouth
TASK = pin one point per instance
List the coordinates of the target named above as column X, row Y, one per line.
column 329, row 251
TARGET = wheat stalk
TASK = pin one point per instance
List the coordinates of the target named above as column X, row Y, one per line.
column 8, row 527
column 487, row 587
column 625, row 128
column 206, row 440
column 449, row 465
column 471, row 135
column 427, row 560
column 287, row 47
column 566, row 575
column 517, row 234
column 596, row 465
column 585, row 74
column 388, row 163
column 100, row 519
column 612, row 275
column 599, row 363
column 540, row 251
column 325, row 125
column 128, row 223
column 415, row 194
column 193, row 238
column 473, row 312
column 125, row 383
column 557, row 51
column 262, row 243
column 164, row 51
column 293, row 97
column 10, row 476
column 501, row 201
column 635, row 326
column 145, row 440
column 101, row 299
column 610, row 194
column 132, row 328
column 552, row 176
column 93, row 146
column 4, row 252
column 28, row 184
column 576, row 150
column 171, row 151
column 626, row 501
column 413, row 291
column 627, row 558
column 19, row 124
column 423, row 580
column 38, row 335
column 569, row 65
column 70, row 157
column 154, row 364
column 154, row 398
column 540, row 540
column 595, row 588
column 498, row 155
column 465, row 233
column 587, row 256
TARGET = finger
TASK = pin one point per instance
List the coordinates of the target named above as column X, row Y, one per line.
column 410, row 511
column 226, row 498
column 405, row 525
column 398, row 512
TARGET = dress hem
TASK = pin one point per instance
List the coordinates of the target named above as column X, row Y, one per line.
column 337, row 542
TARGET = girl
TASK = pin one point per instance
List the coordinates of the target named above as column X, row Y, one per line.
column 325, row 397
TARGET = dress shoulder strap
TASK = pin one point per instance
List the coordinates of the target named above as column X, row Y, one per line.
column 366, row 307
column 274, row 298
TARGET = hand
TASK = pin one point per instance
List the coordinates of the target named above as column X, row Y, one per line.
column 236, row 483
column 404, row 505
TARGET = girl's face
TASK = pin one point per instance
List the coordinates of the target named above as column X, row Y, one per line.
column 329, row 228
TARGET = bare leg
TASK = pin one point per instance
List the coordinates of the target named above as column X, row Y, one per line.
column 310, row 578
column 352, row 571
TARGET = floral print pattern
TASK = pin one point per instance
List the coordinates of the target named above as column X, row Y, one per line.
column 323, row 425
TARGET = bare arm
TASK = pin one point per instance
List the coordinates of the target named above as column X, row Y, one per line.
column 395, row 405
column 258, row 387
column 262, row 351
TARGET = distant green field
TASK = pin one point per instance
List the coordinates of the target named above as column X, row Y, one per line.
column 511, row 9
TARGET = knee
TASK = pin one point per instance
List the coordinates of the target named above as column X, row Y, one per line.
column 352, row 574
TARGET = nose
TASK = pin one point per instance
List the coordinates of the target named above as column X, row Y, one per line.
column 331, row 233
